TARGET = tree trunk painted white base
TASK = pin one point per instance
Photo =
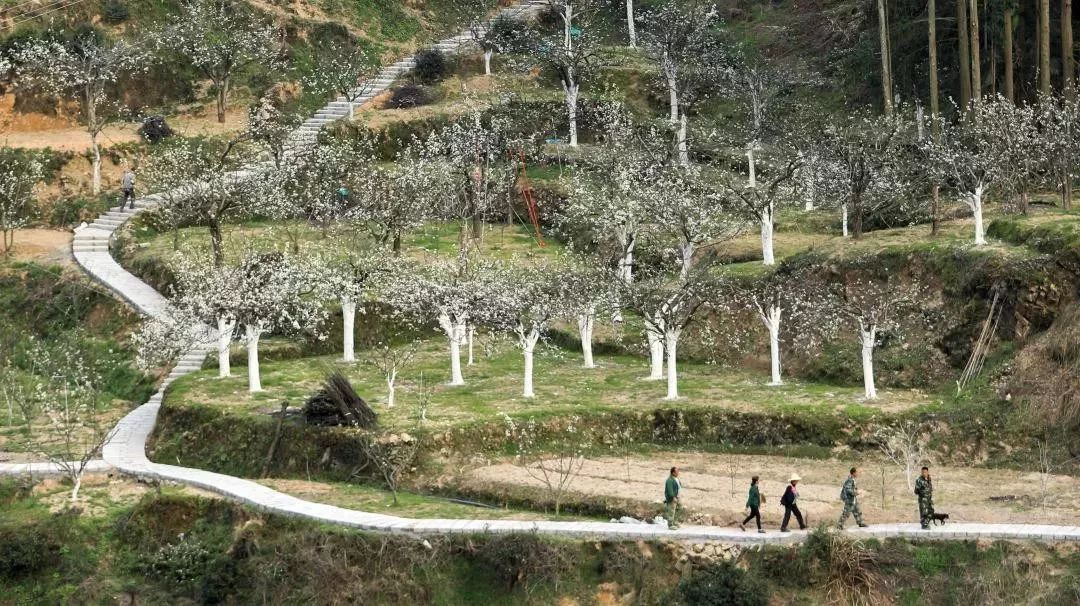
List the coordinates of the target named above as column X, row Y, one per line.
column 974, row 201
column 76, row 485
column 252, row 344
column 673, row 92
column 352, row 110
column 472, row 337
column 630, row 26
column 348, row 314
column 867, row 336
column 571, row 91
column 684, row 152
column 487, row 62
column 455, row 333
column 391, row 377
column 767, row 255
column 771, row 319
column 527, row 341
column 225, row 337
column 585, row 330
column 843, row 213
column 96, row 176
column 656, row 356
column 671, row 339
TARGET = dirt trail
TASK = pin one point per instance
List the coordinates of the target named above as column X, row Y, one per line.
column 48, row 246
column 964, row 493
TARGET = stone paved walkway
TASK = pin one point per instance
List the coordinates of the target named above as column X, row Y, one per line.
column 126, row 449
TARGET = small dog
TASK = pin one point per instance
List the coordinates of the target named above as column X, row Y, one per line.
column 939, row 519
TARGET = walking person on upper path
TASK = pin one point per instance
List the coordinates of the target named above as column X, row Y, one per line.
column 127, row 189
column 849, row 494
column 924, row 489
column 671, row 498
column 789, row 501
column 753, row 504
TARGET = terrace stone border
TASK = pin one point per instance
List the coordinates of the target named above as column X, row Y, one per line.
column 125, row 450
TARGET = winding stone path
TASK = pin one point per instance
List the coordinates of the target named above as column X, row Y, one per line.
column 126, row 449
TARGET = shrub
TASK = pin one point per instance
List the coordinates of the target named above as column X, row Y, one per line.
column 846, row 567
column 26, row 550
column 155, row 130
column 722, row 584
column 430, row 66
column 524, row 560
column 114, row 12
column 410, row 95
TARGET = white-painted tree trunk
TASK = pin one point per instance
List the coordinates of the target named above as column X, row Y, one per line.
column 673, row 90
column 571, row 90
column 684, row 152
column 455, row 333
column 391, row 388
column 686, row 255
column 771, row 319
column 626, row 264
column 352, row 109
column 975, row 203
column 487, row 61
column 656, row 350
column 76, row 485
column 585, row 330
column 528, row 347
column 348, row 314
column 671, row 341
column 96, row 177
column 225, row 337
column 767, row 256
column 843, row 214
column 254, row 333
column 472, row 337
column 630, row 27
column 751, row 164
column 868, row 336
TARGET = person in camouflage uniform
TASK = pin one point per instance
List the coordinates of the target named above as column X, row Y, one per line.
column 849, row 494
column 924, row 488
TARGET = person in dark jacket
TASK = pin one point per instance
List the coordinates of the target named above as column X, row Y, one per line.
column 789, row 501
column 127, row 189
column 671, row 498
column 753, row 504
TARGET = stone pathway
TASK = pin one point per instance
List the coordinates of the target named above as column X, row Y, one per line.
column 126, row 449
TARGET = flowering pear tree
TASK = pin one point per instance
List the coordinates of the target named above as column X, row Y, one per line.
column 866, row 171
column 966, row 157
column 198, row 185
column 220, row 39
column 467, row 165
column 609, row 193
column 587, row 290
column 503, row 34
column 269, row 129
column 452, row 293
column 274, row 293
column 1059, row 117
column 391, row 200
column 1021, row 151
column 572, row 55
column 872, row 306
column 524, row 303
column 19, row 177
column 350, row 279
column 83, row 70
column 682, row 42
column 760, row 199
column 668, row 305
column 344, row 69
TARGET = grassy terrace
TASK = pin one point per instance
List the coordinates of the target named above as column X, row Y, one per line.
column 494, row 387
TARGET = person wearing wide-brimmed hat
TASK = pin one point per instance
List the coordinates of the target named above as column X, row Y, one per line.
column 791, row 495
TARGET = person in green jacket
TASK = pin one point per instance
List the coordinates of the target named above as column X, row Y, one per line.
column 753, row 504
column 924, row 489
column 671, row 498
